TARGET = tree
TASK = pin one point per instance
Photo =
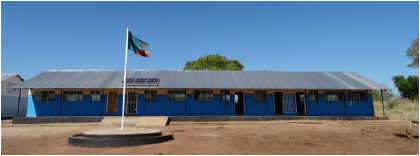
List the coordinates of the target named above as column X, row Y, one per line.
column 213, row 62
column 413, row 54
column 408, row 88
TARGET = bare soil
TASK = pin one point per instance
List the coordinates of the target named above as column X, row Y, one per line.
column 384, row 137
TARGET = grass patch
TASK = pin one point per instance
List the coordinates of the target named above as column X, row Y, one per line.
column 400, row 109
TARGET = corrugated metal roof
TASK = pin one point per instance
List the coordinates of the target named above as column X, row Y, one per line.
column 8, row 76
column 203, row 79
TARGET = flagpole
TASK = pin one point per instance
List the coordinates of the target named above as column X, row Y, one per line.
column 125, row 74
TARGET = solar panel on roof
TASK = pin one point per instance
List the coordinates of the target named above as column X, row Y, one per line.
column 140, row 81
column 152, row 81
column 129, row 81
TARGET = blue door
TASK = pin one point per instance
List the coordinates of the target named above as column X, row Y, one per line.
column 289, row 104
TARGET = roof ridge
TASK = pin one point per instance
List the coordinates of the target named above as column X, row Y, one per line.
column 106, row 79
column 82, row 70
column 9, row 74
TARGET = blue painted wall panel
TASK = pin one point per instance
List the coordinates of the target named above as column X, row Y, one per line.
column 230, row 106
column 50, row 108
column 270, row 105
column 165, row 108
column 253, row 108
column 81, row 108
column 104, row 103
column 206, row 108
column 216, row 107
column 140, row 105
column 30, row 111
column 360, row 108
column 324, row 108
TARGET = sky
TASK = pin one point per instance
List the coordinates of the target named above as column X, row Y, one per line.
column 369, row 38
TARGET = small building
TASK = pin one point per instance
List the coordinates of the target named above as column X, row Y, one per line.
column 13, row 101
column 200, row 93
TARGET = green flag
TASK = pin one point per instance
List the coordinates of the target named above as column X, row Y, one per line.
column 138, row 46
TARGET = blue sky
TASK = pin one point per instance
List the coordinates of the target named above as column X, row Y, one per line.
column 366, row 37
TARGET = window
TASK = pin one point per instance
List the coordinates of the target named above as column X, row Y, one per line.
column 313, row 95
column 349, row 96
column 95, row 95
column 224, row 95
column 175, row 95
column 358, row 96
column 150, row 96
column 363, row 96
column 44, row 96
column 260, row 96
column 72, row 95
column 333, row 95
column 203, row 95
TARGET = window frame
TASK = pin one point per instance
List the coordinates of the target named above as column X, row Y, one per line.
column 97, row 94
column 151, row 93
column 224, row 95
column 48, row 95
column 339, row 96
column 313, row 94
column 78, row 96
column 203, row 95
column 171, row 95
column 362, row 96
column 260, row 96
column 355, row 96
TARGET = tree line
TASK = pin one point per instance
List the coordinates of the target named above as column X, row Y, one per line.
column 408, row 87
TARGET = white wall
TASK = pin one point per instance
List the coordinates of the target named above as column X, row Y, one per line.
column 10, row 98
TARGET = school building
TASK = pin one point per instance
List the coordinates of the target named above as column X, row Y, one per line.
column 200, row 93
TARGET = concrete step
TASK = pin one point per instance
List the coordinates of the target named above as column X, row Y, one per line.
column 152, row 121
column 148, row 121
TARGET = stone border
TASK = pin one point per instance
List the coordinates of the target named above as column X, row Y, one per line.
column 98, row 119
column 80, row 140
column 123, row 135
column 56, row 119
column 269, row 118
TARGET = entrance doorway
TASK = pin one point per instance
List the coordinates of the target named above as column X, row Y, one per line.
column 278, row 103
column 111, row 107
column 239, row 103
column 289, row 104
column 300, row 103
column 132, row 103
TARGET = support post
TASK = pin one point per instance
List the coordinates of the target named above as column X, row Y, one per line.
column 266, row 103
column 185, row 103
column 144, row 101
column 61, row 101
column 346, row 99
column 225, row 101
column 125, row 74
column 18, row 109
column 102, row 102
column 383, row 107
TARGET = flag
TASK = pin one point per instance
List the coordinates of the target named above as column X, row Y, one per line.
column 138, row 46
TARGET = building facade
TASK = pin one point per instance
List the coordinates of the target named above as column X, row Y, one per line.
column 13, row 101
column 200, row 93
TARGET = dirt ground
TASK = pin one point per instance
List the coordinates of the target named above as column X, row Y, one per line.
column 367, row 137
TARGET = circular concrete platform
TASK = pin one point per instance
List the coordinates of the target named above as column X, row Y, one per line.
column 117, row 138
column 117, row 133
